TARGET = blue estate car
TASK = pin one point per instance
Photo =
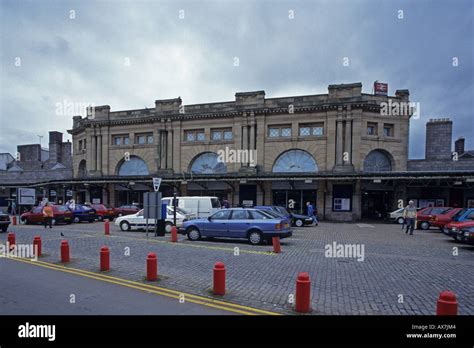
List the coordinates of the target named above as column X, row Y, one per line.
column 239, row 223
column 82, row 212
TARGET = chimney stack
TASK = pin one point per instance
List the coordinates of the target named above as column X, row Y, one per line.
column 438, row 139
column 459, row 146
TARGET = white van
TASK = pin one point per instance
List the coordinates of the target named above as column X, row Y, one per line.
column 197, row 205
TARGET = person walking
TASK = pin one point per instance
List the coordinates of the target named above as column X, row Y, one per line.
column 409, row 214
column 311, row 212
column 48, row 215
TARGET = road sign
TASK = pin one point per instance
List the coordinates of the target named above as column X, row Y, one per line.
column 156, row 184
column 26, row 196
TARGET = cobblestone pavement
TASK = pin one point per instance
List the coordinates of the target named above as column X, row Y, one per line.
column 396, row 266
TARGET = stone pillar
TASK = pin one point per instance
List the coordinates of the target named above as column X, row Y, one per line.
column 245, row 137
column 252, row 135
column 348, row 142
column 320, row 198
column 339, row 142
column 94, row 152
column 99, row 153
column 169, row 145
column 159, row 159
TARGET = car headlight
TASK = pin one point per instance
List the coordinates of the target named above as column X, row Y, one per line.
column 454, row 229
column 466, row 234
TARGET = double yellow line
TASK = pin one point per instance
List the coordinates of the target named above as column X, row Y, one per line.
column 204, row 301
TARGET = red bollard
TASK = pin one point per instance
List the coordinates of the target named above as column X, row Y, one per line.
column 104, row 259
column 174, row 234
column 447, row 304
column 106, row 227
column 65, row 251
column 37, row 242
column 303, row 293
column 219, row 279
column 276, row 245
column 11, row 239
column 151, row 267
column 14, row 220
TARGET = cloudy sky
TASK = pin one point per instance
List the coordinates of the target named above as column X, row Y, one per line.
column 127, row 54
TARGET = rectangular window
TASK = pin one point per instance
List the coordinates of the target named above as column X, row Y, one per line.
column 279, row 131
column 117, row 140
column 125, row 140
column 221, row 134
column 80, row 145
column 388, row 130
column 85, row 143
column 194, row 135
column 144, row 138
column 316, row 129
column 342, row 198
column 371, row 128
column 216, row 135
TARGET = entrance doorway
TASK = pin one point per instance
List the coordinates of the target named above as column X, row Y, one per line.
column 376, row 204
column 247, row 195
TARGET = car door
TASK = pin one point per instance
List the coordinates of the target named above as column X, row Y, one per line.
column 239, row 223
column 216, row 226
column 36, row 215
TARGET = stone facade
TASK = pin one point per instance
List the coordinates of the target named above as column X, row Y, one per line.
column 338, row 130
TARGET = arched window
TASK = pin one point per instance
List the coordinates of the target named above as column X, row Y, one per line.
column 81, row 173
column 134, row 166
column 208, row 163
column 295, row 161
column 377, row 161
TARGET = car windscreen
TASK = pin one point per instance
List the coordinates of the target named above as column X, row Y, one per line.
column 273, row 214
column 283, row 211
column 438, row 211
column 261, row 215
column 459, row 214
column 61, row 208
column 215, row 203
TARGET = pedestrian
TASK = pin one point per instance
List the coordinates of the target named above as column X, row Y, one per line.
column 409, row 214
column 48, row 215
column 225, row 204
column 311, row 212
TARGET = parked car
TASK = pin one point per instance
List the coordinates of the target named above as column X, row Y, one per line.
column 297, row 220
column 238, row 223
column 197, row 205
column 137, row 221
column 83, row 212
column 397, row 215
column 61, row 214
column 426, row 216
column 466, row 235
column 127, row 210
column 4, row 221
column 104, row 212
column 442, row 219
column 463, row 218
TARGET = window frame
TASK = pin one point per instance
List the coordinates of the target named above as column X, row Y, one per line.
column 374, row 125
column 221, row 132
column 312, row 127
column 280, row 128
column 195, row 133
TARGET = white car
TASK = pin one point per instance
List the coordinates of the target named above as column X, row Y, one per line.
column 138, row 222
column 202, row 207
column 397, row 216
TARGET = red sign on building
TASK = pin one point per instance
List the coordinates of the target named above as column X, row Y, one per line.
column 380, row 88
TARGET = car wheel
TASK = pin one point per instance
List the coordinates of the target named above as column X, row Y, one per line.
column 298, row 223
column 100, row 218
column 400, row 220
column 23, row 221
column 168, row 226
column 76, row 219
column 53, row 222
column 193, row 234
column 425, row 225
column 120, row 214
column 125, row 226
column 255, row 237
column 4, row 229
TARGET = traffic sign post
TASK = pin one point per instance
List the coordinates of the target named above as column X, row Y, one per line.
column 156, row 184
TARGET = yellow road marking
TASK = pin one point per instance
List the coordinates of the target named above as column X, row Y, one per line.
column 227, row 306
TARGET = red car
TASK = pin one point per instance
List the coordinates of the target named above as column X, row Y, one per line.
column 61, row 214
column 442, row 219
column 104, row 212
column 127, row 210
column 425, row 217
column 453, row 229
